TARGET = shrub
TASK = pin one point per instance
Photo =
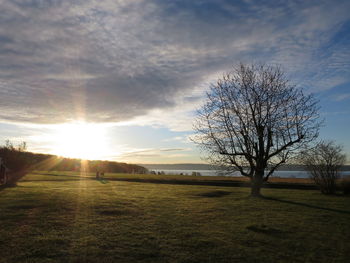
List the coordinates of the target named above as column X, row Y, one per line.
column 323, row 162
column 345, row 186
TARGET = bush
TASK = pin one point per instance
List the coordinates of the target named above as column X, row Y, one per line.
column 345, row 186
column 13, row 157
column 15, row 161
column 323, row 162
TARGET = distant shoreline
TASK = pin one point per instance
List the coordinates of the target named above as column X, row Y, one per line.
column 194, row 166
column 211, row 173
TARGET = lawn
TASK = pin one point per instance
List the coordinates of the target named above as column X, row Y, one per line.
column 60, row 217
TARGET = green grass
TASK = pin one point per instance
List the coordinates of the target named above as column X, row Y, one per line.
column 64, row 218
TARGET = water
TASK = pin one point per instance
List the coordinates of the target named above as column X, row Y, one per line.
column 282, row 174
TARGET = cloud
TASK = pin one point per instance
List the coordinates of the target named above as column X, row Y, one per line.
column 151, row 153
column 149, row 61
column 175, row 139
column 340, row 97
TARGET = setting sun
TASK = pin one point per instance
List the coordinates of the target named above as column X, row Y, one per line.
column 81, row 140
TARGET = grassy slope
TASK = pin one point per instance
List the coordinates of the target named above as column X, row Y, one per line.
column 49, row 218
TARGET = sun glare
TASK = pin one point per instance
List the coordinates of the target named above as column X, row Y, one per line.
column 81, row 140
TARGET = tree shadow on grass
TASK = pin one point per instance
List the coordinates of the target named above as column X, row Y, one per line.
column 115, row 212
column 214, row 194
column 10, row 185
column 24, row 206
column 264, row 229
column 307, row 205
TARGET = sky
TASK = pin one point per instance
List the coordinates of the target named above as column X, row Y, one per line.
column 127, row 76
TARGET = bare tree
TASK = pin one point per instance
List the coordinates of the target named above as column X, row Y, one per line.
column 253, row 120
column 323, row 163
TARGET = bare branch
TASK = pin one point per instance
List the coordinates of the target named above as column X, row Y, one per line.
column 253, row 118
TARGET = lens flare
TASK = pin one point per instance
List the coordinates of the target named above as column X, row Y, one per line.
column 81, row 140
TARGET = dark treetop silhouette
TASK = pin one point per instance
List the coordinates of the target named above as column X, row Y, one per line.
column 254, row 120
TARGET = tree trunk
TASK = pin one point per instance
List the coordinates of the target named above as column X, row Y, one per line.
column 256, row 183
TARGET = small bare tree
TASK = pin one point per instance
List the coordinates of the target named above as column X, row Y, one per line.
column 253, row 120
column 323, row 163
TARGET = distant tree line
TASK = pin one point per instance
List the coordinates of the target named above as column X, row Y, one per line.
column 15, row 157
column 19, row 161
column 55, row 163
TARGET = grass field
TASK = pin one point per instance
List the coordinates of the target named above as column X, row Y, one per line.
column 176, row 178
column 60, row 217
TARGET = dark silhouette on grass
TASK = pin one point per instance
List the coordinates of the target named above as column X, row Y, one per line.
column 264, row 229
column 345, row 186
column 116, row 212
column 214, row 194
column 253, row 120
column 103, row 181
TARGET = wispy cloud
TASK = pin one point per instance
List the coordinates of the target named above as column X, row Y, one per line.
column 150, row 154
column 340, row 97
column 152, row 151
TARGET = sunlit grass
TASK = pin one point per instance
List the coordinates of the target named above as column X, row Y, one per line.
column 60, row 218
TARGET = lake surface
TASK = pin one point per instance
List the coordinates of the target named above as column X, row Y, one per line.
column 282, row 174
